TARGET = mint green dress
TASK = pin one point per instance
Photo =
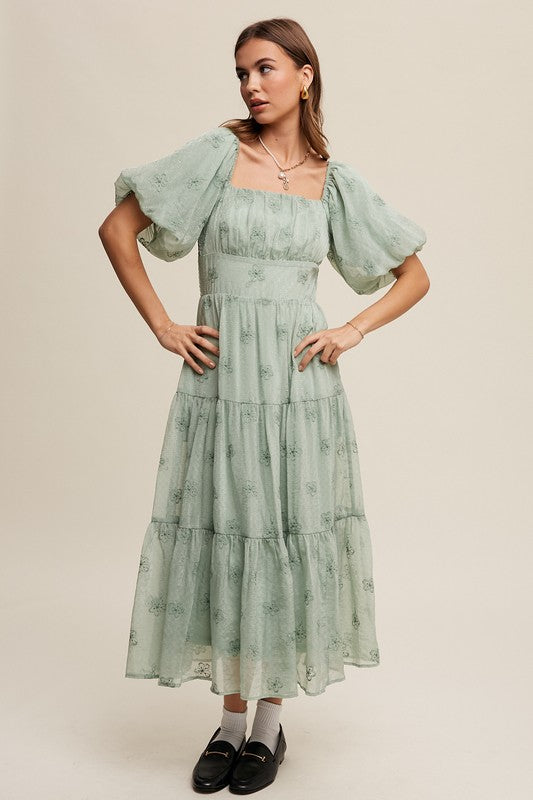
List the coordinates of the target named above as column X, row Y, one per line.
column 256, row 567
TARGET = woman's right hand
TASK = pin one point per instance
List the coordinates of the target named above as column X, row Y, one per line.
column 186, row 340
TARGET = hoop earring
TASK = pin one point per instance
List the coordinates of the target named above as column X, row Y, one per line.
column 304, row 94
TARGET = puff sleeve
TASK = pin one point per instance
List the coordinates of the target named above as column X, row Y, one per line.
column 367, row 237
column 178, row 191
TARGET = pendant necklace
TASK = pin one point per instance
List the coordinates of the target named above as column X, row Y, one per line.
column 282, row 174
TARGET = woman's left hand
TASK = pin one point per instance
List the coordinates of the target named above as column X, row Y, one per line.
column 333, row 342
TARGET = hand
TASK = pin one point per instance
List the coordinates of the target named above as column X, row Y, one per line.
column 186, row 339
column 333, row 341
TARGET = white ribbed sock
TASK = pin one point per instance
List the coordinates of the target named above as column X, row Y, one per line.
column 265, row 726
column 232, row 727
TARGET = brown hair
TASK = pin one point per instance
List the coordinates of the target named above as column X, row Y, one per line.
column 289, row 35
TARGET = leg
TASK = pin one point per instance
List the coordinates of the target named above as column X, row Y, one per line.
column 266, row 727
column 234, row 702
column 233, row 723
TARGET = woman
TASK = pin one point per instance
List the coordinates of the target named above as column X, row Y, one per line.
column 256, row 568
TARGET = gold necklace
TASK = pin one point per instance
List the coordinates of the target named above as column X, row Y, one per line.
column 282, row 174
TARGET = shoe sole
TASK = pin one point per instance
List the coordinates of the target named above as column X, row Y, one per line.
column 208, row 791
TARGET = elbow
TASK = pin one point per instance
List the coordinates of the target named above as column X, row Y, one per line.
column 103, row 231
column 106, row 230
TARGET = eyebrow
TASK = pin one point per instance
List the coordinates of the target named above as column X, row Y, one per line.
column 259, row 60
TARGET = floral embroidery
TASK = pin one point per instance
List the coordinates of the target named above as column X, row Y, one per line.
column 274, row 685
column 144, row 564
column 266, row 371
column 247, row 335
column 249, row 412
column 166, row 682
column 249, row 489
column 175, row 609
column 225, row 365
column 282, row 331
column 156, row 605
column 264, row 456
column 256, row 273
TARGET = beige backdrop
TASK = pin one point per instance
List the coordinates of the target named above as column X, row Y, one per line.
column 431, row 102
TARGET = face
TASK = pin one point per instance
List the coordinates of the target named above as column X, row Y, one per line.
column 265, row 72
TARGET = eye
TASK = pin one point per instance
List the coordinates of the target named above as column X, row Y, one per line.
column 241, row 75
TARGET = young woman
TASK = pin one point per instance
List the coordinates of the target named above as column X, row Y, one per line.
column 256, row 568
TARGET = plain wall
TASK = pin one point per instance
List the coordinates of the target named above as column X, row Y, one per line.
column 432, row 104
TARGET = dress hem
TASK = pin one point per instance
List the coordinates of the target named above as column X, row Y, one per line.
column 255, row 697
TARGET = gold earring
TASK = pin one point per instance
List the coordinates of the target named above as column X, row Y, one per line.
column 304, row 94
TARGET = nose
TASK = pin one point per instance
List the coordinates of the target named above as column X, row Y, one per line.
column 253, row 87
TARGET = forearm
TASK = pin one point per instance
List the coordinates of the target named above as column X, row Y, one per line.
column 123, row 252
column 411, row 285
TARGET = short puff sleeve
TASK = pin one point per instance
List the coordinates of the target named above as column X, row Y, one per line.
column 179, row 191
column 368, row 237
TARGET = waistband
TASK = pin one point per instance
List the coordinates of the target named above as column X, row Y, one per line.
column 257, row 277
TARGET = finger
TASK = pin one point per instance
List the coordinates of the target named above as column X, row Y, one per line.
column 326, row 354
column 207, row 344
column 307, row 358
column 334, row 356
column 309, row 339
column 202, row 356
column 207, row 330
column 192, row 363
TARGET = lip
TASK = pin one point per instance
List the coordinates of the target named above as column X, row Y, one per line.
column 258, row 105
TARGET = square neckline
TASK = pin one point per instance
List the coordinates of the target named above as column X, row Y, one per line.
column 237, row 144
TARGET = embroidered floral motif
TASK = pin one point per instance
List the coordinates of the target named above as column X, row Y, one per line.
column 156, row 605
column 249, row 489
column 225, row 365
column 249, row 412
column 264, row 456
column 144, row 564
column 175, row 609
column 247, row 335
column 256, row 273
column 274, row 685
column 266, row 371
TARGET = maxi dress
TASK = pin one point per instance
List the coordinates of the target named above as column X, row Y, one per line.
column 256, row 567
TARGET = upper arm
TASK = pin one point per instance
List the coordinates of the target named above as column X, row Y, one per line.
column 126, row 216
column 412, row 265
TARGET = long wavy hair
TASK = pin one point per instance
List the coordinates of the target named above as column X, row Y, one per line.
column 289, row 35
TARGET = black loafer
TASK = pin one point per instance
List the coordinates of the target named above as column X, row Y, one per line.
column 212, row 770
column 257, row 767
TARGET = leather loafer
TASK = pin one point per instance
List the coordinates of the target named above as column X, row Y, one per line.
column 257, row 766
column 212, row 770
